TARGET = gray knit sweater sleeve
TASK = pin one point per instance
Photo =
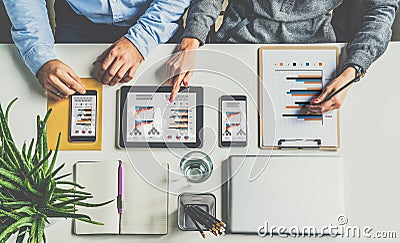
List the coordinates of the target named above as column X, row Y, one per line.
column 373, row 37
column 202, row 14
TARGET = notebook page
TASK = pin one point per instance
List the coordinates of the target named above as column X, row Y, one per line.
column 145, row 207
column 100, row 179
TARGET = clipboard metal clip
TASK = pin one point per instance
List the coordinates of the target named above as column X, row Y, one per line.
column 299, row 143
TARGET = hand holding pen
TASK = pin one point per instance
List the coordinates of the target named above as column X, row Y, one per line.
column 335, row 93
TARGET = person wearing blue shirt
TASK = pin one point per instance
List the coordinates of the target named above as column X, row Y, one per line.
column 134, row 26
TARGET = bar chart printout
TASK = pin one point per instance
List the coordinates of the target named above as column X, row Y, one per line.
column 292, row 78
column 301, row 86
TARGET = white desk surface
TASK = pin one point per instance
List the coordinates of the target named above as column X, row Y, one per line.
column 370, row 132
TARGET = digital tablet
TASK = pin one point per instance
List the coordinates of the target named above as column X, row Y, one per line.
column 148, row 119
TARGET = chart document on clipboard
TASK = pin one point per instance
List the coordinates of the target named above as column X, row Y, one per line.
column 290, row 78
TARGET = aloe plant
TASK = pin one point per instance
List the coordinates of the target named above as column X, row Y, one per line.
column 31, row 189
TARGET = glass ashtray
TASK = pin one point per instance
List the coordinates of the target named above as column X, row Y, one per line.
column 206, row 201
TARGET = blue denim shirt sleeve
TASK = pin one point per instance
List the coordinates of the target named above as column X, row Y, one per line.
column 157, row 25
column 33, row 37
column 31, row 31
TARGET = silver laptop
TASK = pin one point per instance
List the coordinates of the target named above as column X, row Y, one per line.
column 282, row 191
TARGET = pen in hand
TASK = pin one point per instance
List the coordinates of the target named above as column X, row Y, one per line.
column 356, row 79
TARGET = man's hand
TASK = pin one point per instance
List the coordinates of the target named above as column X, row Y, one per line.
column 181, row 64
column 118, row 64
column 336, row 101
column 59, row 80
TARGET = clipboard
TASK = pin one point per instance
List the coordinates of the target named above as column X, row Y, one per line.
column 289, row 77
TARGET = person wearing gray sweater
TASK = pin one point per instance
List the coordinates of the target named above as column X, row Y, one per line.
column 286, row 21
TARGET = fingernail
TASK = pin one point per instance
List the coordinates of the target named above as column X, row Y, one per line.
column 170, row 100
column 315, row 100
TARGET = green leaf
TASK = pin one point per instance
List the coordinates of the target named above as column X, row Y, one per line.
column 53, row 213
column 2, row 147
column 45, row 147
column 5, row 130
column 60, row 196
column 30, row 148
column 23, row 151
column 10, row 155
column 27, row 210
column 53, row 161
column 5, row 164
column 54, row 173
column 5, row 195
column 11, row 176
column 62, row 176
column 62, row 191
column 16, row 156
column 33, row 232
column 89, row 221
column 37, row 166
column 31, row 189
column 71, row 201
column 23, row 222
column 16, row 204
column 9, row 107
column 21, row 235
column 40, row 230
column 9, row 185
column 90, row 205
column 39, row 132
column 48, row 194
column 8, row 214
column 44, row 238
column 70, row 183
column 46, row 117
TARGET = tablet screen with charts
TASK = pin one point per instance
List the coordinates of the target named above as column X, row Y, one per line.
column 149, row 119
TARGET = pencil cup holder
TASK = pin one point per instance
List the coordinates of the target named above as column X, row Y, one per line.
column 205, row 201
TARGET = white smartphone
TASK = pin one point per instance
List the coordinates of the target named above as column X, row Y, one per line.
column 83, row 115
column 233, row 121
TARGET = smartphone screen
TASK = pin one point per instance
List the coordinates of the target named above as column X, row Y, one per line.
column 233, row 120
column 83, row 117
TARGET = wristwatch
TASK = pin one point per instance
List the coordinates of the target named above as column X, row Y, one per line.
column 360, row 72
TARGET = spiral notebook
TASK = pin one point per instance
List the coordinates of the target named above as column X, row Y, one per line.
column 101, row 179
